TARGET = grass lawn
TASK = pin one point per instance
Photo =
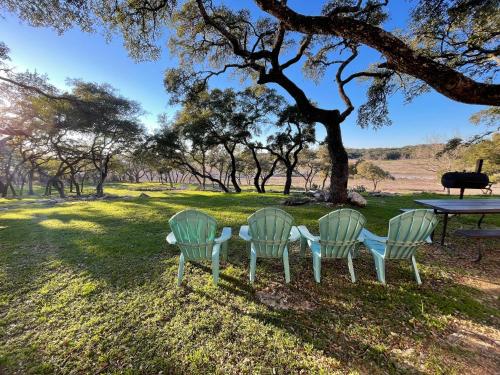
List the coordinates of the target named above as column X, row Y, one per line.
column 90, row 287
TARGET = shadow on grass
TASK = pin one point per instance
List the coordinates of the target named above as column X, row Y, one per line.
column 122, row 245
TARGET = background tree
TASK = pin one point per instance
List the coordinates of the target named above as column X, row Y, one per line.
column 293, row 135
column 440, row 48
column 489, row 151
column 184, row 143
column 324, row 164
column 111, row 123
column 372, row 172
column 310, row 165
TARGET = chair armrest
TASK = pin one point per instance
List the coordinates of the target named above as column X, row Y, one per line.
column 304, row 232
column 245, row 233
column 294, row 234
column 225, row 235
column 171, row 238
column 367, row 235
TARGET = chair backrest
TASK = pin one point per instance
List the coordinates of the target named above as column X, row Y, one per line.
column 339, row 231
column 270, row 229
column 408, row 231
column 195, row 233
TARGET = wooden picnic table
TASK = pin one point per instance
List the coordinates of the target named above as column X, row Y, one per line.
column 460, row 206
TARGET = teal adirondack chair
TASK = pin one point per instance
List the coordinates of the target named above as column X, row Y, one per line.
column 194, row 232
column 338, row 239
column 268, row 232
column 406, row 233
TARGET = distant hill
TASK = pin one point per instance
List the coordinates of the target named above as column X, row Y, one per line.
column 423, row 151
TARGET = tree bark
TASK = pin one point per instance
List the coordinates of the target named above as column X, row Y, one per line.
column 21, row 188
column 57, row 184
column 324, row 180
column 30, row 182
column 288, row 180
column 76, row 185
column 268, row 176
column 99, row 189
column 234, row 179
column 258, row 172
column 339, row 174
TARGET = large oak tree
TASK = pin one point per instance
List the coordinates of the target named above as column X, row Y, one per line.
column 450, row 46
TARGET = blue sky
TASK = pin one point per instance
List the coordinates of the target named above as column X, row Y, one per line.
column 75, row 54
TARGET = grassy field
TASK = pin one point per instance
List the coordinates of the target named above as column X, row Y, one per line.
column 411, row 176
column 90, row 287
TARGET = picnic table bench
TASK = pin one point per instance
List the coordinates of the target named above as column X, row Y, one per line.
column 479, row 234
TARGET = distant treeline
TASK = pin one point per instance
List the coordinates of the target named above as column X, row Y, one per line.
column 423, row 151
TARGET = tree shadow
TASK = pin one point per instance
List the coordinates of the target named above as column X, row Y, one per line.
column 128, row 252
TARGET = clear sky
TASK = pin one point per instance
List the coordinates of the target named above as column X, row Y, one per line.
column 90, row 57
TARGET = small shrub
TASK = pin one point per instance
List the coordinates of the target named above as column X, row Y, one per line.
column 358, row 189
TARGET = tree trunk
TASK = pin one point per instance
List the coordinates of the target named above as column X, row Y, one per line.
column 339, row 174
column 324, row 180
column 23, row 181
column 75, row 185
column 234, row 180
column 169, row 177
column 57, row 184
column 12, row 190
column 288, row 181
column 30, row 182
column 269, row 175
column 82, row 182
column 256, row 178
column 8, row 185
column 99, row 189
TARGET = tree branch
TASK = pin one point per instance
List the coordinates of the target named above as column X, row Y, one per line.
column 400, row 56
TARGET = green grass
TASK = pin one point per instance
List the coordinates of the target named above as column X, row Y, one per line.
column 90, row 287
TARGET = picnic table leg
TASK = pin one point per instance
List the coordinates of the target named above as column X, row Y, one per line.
column 445, row 224
column 480, row 221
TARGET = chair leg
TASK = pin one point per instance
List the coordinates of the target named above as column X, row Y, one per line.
column 286, row 265
column 303, row 245
column 317, row 266
column 415, row 270
column 380, row 268
column 215, row 267
column 376, row 267
column 351, row 268
column 181, row 270
column 253, row 264
column 224, row 251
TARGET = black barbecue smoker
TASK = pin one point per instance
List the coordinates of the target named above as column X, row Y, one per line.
column 466, row 180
